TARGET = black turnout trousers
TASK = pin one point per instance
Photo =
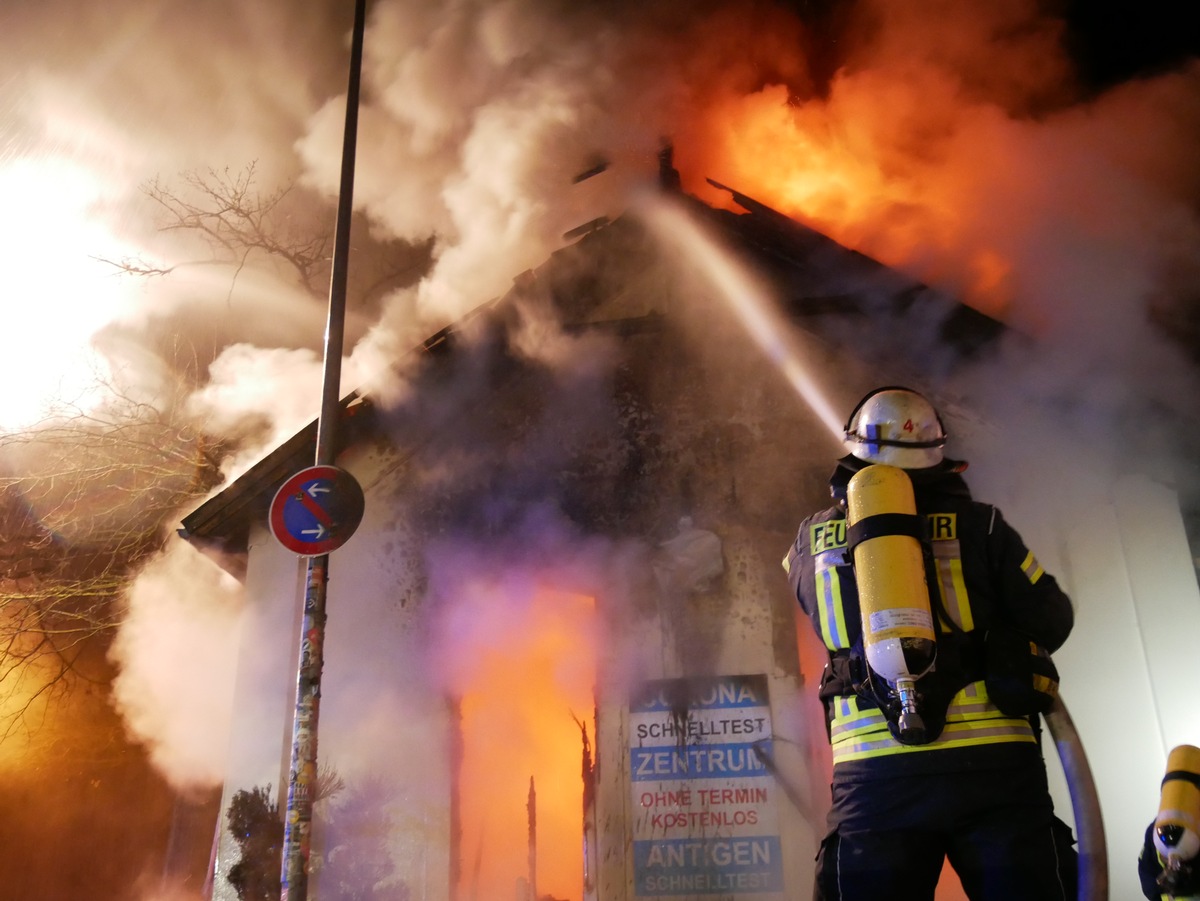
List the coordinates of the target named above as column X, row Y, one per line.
column 888, row 838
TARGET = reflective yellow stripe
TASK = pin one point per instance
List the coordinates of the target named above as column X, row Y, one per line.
column 971, row 702
column 856, row 723
column 963, row 605
column 833, row 621
column 953, row 587
column 1032, row 569
column 954, row 735
column 971, row 719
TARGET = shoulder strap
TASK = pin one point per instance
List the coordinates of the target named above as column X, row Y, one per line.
column 882, row 524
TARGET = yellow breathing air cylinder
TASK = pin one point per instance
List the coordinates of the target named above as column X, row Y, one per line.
column 893, row 596
column 1177, row 826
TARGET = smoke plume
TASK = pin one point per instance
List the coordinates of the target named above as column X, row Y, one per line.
column 178, row 655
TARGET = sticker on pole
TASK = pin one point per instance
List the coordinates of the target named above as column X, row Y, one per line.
column 316, row 510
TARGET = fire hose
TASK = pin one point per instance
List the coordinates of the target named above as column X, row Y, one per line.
column 1085, row 803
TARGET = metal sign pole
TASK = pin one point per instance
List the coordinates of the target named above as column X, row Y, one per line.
column 303, row 771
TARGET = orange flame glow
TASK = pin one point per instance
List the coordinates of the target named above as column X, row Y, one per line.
column 519, row 721
column 899, row 162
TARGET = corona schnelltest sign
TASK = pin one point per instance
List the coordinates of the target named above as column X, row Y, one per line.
column 705, row 803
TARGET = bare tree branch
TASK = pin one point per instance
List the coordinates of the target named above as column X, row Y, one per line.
column 84, row 496
column 85, row 493
column 236, row 221
column 227, row 211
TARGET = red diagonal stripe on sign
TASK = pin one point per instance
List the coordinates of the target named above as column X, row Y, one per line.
column 315, row 509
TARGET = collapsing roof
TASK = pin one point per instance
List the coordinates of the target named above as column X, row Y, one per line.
column 605, row 281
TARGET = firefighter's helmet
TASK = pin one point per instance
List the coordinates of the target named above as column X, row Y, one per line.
column 896, row 426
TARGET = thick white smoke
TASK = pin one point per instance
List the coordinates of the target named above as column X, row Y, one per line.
column 475, row 118
column 178, row 652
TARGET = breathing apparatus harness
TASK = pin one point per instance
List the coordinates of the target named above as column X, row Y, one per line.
column 908, row 666
column 942, row 658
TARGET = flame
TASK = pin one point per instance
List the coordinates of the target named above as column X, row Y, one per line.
column 869, row 166
column 518, row 722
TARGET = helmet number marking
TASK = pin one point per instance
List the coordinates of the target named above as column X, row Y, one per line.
column 908, row 425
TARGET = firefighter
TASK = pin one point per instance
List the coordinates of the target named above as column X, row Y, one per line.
column 969, row 785
column 1169, row 864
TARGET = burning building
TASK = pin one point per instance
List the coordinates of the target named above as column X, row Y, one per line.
column 562, row 660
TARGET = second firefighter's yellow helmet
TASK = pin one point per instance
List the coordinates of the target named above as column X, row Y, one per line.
column 896, row 426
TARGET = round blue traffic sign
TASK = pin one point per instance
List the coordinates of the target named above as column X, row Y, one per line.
column 316, row 510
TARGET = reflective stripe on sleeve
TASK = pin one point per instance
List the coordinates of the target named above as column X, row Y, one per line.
column 1032, row 569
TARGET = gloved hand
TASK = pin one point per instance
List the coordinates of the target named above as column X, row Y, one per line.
column 1021, row 678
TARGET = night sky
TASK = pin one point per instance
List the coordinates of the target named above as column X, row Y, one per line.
column 1110, row 41
column 1113, row 40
